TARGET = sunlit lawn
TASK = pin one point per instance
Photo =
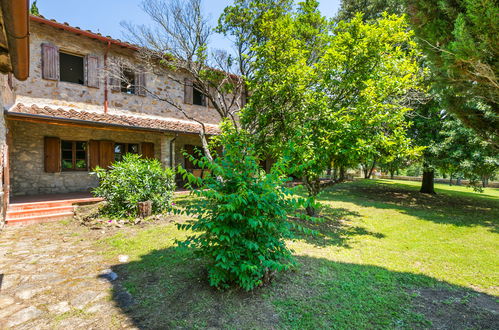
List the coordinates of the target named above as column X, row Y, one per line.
column 387, row 257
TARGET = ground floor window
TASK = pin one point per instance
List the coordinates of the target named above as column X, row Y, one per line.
column 74, row 155
column 121, row 149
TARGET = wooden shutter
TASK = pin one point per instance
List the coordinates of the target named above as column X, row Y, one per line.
column 140, row 83
column 188, row 91
column 243, row 99
column 114, row 84
column 188, row 163
column 213, row 94
column 52, row 148
column 106, row 153
column 50, row 61
column 147, row 149
column 93, row 154
column 92, row 71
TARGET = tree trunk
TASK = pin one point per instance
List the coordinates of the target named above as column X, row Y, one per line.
column 458, row 181
column 427, row 186
column 485, row 182
column 450, row 179
column 342, row 173
column 335, row 173
column 371, row 170
column 366, row 171
column 313, row 187
column 392, row 174
column 145, row 209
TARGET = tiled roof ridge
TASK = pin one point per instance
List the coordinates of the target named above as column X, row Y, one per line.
column 166, row 124
column 43, row 19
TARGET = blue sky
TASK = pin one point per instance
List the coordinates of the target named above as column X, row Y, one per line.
column 104, row 16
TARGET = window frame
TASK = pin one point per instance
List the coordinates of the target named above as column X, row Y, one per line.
column 132, row 90
column 126, row 151
column 196, row 91
column 74, row 159
column 62, row 51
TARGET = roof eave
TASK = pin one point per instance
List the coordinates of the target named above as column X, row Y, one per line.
column 16, row 21
column 9, row 114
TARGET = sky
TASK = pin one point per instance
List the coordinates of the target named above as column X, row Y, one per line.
column 104, row 16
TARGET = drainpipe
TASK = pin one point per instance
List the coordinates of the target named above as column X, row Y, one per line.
column 106, row 77
column 172, row 141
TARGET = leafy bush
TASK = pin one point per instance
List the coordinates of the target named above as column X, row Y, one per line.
column 134, row 180
column 242, row 215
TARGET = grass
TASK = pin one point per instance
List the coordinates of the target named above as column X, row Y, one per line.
column 386, row 257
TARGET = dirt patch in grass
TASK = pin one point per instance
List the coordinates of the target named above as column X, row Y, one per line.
column 449, row 309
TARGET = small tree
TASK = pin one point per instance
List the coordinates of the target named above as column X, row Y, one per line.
column 133, row 180
column 242, row 215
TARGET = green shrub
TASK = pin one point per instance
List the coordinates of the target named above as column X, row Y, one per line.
column 134, row 180
column 242, row 215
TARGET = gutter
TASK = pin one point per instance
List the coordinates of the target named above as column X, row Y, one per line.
column 172, row 141
column 15, row 17
column 10, row 114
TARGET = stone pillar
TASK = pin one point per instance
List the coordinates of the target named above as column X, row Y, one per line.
column 168, row 150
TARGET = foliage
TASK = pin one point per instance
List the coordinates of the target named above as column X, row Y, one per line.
column 242, row 215
column 34, row 9
column 460, row 38
column 134, row 180
column 466, row 154
column 335, row 92
column 371, row 9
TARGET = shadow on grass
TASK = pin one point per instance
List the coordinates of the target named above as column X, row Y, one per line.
column 168, row 289
column 457, row 209
column 333, row 228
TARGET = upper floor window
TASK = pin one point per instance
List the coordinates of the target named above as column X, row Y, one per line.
column 198, row 98
column 71, row 68
column 128, row 82
column 193, row 95
column 61, row 66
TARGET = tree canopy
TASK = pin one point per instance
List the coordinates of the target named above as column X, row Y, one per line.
column 461, row 40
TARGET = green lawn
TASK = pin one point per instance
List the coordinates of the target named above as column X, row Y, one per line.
column 387, row 257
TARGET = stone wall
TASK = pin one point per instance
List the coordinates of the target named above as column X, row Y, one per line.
column 27, row 155
column 36, row 90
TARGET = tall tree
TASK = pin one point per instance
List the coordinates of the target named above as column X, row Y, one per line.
column 331, row 94
column 461, row 39
column 372, row 9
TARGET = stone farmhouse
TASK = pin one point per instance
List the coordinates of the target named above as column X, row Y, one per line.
column 70, row 115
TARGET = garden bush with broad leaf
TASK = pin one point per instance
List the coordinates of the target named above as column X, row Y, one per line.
column 242, row 215
column 133, row 180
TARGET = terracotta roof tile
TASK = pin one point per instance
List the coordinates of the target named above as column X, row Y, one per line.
column 167, row 124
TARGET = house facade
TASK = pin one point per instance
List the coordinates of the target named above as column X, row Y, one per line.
column 71, row 115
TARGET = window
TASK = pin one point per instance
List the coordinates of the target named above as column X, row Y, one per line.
column 74, row 155
column 128, row 82
column 121, row 149
column 71, row 68
column 197, row 97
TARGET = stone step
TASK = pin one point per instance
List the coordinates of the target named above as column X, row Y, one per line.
column 39, row 218
column 38, row 205
column 22, row 213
